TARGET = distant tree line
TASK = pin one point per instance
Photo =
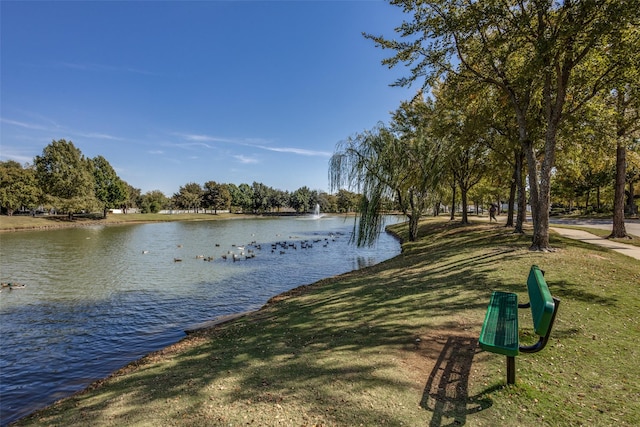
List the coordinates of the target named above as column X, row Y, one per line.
column 63, row 180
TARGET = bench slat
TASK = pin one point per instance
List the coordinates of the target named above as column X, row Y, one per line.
column 500, row 328
column 542, row 305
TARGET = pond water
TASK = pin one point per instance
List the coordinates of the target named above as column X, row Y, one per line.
column 97, row 298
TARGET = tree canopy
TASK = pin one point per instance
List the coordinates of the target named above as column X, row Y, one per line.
column 65, row 177
column 548, row 58
column 18, row 187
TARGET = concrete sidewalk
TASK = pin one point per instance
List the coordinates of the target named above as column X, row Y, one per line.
column 583, row 236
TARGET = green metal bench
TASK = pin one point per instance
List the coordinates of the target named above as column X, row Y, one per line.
column 499, row 332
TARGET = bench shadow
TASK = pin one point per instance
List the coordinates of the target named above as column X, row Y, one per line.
column 446, row 393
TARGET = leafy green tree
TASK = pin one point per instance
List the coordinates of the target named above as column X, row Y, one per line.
column 505, row 160
column 462, row 127
column 535, row 53
column 65, row 177
column 624, row 100
column 418, row 152
column 110, row 190
column 260, row 197
column 133, row 196
column 189, row 196
column 300, row 200
column 153, row 201
column 347, row 201
column 399, row 163
column 216, row 196
column 245, row 197
column 278, row 199
column 236, row 196
column 18, row 187
column 332, row 203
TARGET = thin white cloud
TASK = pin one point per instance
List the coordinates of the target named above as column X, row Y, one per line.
column 15, row 156
column 246, row 160
column 200, row 138
column 102, row 68
column 97, row 135
column 25, row 125
column 253, row 142
column 300, row 151
column 155, row 152
column 208, row 138
column 191, row 145
column 59, row 129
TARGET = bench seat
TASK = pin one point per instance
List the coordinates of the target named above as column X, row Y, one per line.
column 499, row 332
column 500, row 328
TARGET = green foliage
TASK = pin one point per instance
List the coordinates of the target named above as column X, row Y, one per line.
column 66, row 177
column 153, row 202
column 216, row 196
column 278, row 199
column 133, row 195
column 110, row 190
column 261, row 197
column 399, row 163
column 189, row 196
column 547, row 58
column 18, row 187
column 300, row 200
column 241, row 197
column 347, row 201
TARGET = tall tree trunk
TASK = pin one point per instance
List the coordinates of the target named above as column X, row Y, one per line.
column 512, row 198
column 522, row 194
column 540, row 241
column 619, row 230
column 463, row 196
column 540, row 190
column 453, row 201
column 414, row 219
column 586, row 201
column 532, row 163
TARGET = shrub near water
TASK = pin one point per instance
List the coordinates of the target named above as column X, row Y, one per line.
column 396, row 344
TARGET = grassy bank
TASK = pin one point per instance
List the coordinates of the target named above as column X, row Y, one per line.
column 42, row 222
column 396, row 344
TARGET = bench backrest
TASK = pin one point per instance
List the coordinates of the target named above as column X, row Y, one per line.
column 542, row 304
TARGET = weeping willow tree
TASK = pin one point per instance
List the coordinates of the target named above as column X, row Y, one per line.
column 398, row 163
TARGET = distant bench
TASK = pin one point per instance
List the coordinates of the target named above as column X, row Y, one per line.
column 499, row 332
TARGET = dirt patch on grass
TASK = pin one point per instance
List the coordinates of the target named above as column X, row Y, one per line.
column 442, row 363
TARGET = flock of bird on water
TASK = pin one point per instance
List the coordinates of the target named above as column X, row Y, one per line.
column 245, row 252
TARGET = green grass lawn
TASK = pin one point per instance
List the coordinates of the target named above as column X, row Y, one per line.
column 396, row 344
column 27, row 222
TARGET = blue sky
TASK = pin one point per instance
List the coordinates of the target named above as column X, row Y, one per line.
column 177, row 92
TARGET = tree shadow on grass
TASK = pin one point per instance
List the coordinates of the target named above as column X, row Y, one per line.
column 324, row 353
column 571, row 291
column 446, row 393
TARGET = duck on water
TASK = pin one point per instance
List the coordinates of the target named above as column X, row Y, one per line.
column 13, row 285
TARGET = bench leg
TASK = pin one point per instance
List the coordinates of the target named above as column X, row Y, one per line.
column 511, row 370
